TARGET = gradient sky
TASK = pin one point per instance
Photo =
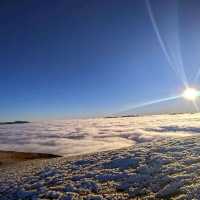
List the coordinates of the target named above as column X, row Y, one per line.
column 80, row 58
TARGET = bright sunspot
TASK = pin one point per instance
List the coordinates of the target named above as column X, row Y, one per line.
column 190, row 94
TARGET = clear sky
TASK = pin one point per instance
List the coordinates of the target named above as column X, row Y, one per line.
column 80, row 58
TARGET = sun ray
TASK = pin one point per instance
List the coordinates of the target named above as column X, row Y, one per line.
column 156, row 101
column 179, row 68
column 131, row 108
column 196, row 105
column 179, row 52
column 189, row 94
column 157, row 32
column 197, row 76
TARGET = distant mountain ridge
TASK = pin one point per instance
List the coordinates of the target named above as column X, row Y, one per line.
column 14, row 122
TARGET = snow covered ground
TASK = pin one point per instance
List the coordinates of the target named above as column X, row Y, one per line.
column 75, row 137
column 169, row 169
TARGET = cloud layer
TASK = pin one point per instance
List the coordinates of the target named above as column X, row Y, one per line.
column 74, row 137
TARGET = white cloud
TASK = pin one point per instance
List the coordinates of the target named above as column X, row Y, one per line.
column 72, row 137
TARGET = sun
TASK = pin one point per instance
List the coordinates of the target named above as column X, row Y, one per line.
column 190, row 94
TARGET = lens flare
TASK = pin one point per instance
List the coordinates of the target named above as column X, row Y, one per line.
column 190, row 94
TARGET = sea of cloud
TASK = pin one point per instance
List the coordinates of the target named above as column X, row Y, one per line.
column 80, row 136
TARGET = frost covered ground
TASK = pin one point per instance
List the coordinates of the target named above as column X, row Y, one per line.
column 160, row 159
column 169, row 169
column 74, row 137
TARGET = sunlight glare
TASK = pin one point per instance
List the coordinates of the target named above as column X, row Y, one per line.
column 190, row 94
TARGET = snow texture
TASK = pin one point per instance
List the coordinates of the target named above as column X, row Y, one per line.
column 167, row 169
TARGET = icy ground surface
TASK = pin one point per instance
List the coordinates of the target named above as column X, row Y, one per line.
column 168, row 169
column 75, row 137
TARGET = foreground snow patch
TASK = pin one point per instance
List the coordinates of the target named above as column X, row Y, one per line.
column 168, row 169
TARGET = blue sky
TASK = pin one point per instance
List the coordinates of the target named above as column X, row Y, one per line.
column 85, row 58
